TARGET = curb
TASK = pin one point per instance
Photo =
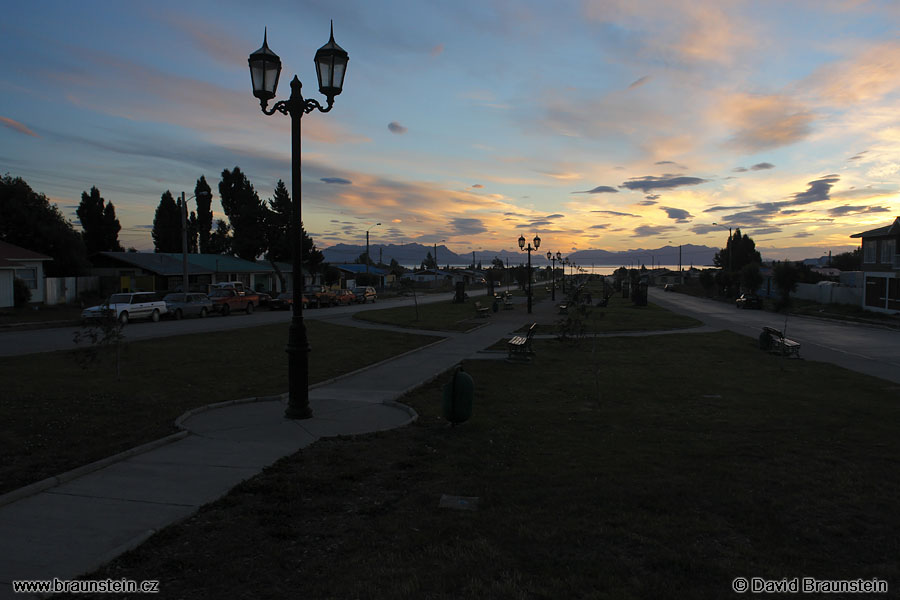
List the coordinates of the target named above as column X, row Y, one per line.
column 51, row 482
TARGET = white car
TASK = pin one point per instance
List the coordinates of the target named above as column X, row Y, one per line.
column 127, row 306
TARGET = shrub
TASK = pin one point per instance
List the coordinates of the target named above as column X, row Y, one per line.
column 21, row 293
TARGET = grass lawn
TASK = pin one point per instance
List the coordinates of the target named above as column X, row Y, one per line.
column 658, row 467
column 55, row 416
column 41, row 314
column 621, row 315
column 434, row 316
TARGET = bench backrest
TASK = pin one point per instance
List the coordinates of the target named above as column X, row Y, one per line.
column 531, row 330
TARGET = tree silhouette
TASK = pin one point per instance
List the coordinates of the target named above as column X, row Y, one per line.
column 278, row 222
column 30, row 220
column 739, row 252
column 100, row 227
column 220, row 239
column 203, row 194
column 166, row 232
column 246, row 214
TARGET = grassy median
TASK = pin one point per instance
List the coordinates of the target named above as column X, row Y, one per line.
column 655, row 467
column 55, row 415
column 434, row 316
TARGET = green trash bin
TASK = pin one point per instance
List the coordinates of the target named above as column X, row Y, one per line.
column 458, row 395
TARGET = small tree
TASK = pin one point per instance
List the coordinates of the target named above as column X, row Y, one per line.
column 786, row 276
column 21, row 293
column 100, row 335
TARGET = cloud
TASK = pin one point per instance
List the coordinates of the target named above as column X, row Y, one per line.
column 600, row 189
column 679, row 215
column 652, row 196
column 555, row 216
column 739, row 170
column 467, row 226
column 816, row 192
column 437, row 50
column 766, row 231
column 477, row 186
column 724, row 208
column 397, row 128
column 650, row 182
column 639, row 82
column 339, row 180
column 540, row 223
column 652, row 230
column 803, row 234
column 868, row 76
column 858, row 156
column 762, row 166
column 841, row 211
column 671, row 162
column 647, row 202
column 613, row 213
column 604, row 226
column 16, row 126
column 763, row 122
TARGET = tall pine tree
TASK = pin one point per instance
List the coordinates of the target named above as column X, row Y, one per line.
column 166, row 230
column 100, row 227
column 203, row 194
column 220, row 239
column 246, row 214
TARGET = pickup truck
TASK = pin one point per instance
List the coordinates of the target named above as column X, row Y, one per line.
column 319, row 295
column 227, row 299
column 128, row 305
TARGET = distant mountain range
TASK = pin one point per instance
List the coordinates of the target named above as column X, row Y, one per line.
column 413, row 254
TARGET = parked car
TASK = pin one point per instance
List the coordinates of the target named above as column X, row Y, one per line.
column 748, row 301
column 188, row 305
column 227, row 299
column 285, row 301
column 364, row 294
column 345, row 297
column 264, row 298
column 670, row 287
column 126, row 306
column 318, row 296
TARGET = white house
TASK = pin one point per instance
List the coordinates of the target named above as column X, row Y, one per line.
column 19, row 263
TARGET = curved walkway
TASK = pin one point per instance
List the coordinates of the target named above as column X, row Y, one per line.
column 74, row 523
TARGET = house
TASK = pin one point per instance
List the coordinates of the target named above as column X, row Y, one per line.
column 20, row 263
column 881, row 267
column 260, row 276
column 434, row 277
column 145, row 271
column 351, row 271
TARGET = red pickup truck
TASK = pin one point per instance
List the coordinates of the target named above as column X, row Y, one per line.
column 227, row 299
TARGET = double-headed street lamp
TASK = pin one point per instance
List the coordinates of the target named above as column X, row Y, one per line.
column 265, row 68
column 552, row 258
column 563, row 262
column 537, row 244
column 730, row 249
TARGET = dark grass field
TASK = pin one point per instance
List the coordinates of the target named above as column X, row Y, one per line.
column 657, row 467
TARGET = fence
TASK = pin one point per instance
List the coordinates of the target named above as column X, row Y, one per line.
column 63, row 290
column 829, row 294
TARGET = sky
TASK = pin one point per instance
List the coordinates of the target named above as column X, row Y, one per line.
column 597, row 124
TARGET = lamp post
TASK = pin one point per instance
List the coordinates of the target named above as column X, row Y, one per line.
column 185, row 285
column 730, row 249
column 265, row 68
column 436, row 263
column 367, row 252
column 529, row 249
column 552, row 258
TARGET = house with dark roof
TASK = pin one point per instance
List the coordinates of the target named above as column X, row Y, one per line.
column 881, row 267
column 350, row 272
column 24, row 264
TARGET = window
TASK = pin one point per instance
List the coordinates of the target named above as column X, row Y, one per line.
column 29, row 276
column 869, row 249
column 888, row 248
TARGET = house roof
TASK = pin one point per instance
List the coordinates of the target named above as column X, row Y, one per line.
column 6, row 264
column 359, row 268
column 11, row 251
column 158, row 263
column 887, row 230
column 222, row 263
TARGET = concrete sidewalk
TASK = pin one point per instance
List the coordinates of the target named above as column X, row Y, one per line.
column 75, row 527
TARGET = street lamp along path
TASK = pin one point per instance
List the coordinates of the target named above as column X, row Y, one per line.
column 537, row 244
column 265, row 69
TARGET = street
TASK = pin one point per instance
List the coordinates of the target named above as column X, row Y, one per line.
column 13, row 343
column 863, row 348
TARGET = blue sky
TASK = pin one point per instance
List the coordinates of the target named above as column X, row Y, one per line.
column 608, row 124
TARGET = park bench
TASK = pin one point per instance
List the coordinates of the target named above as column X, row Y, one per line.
column 507, row 302
column 482, row 311
column 520, row 346
column 563, row 308
column 773, row 340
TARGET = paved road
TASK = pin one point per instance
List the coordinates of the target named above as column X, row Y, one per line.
column 13, row 343
column 867, row 349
